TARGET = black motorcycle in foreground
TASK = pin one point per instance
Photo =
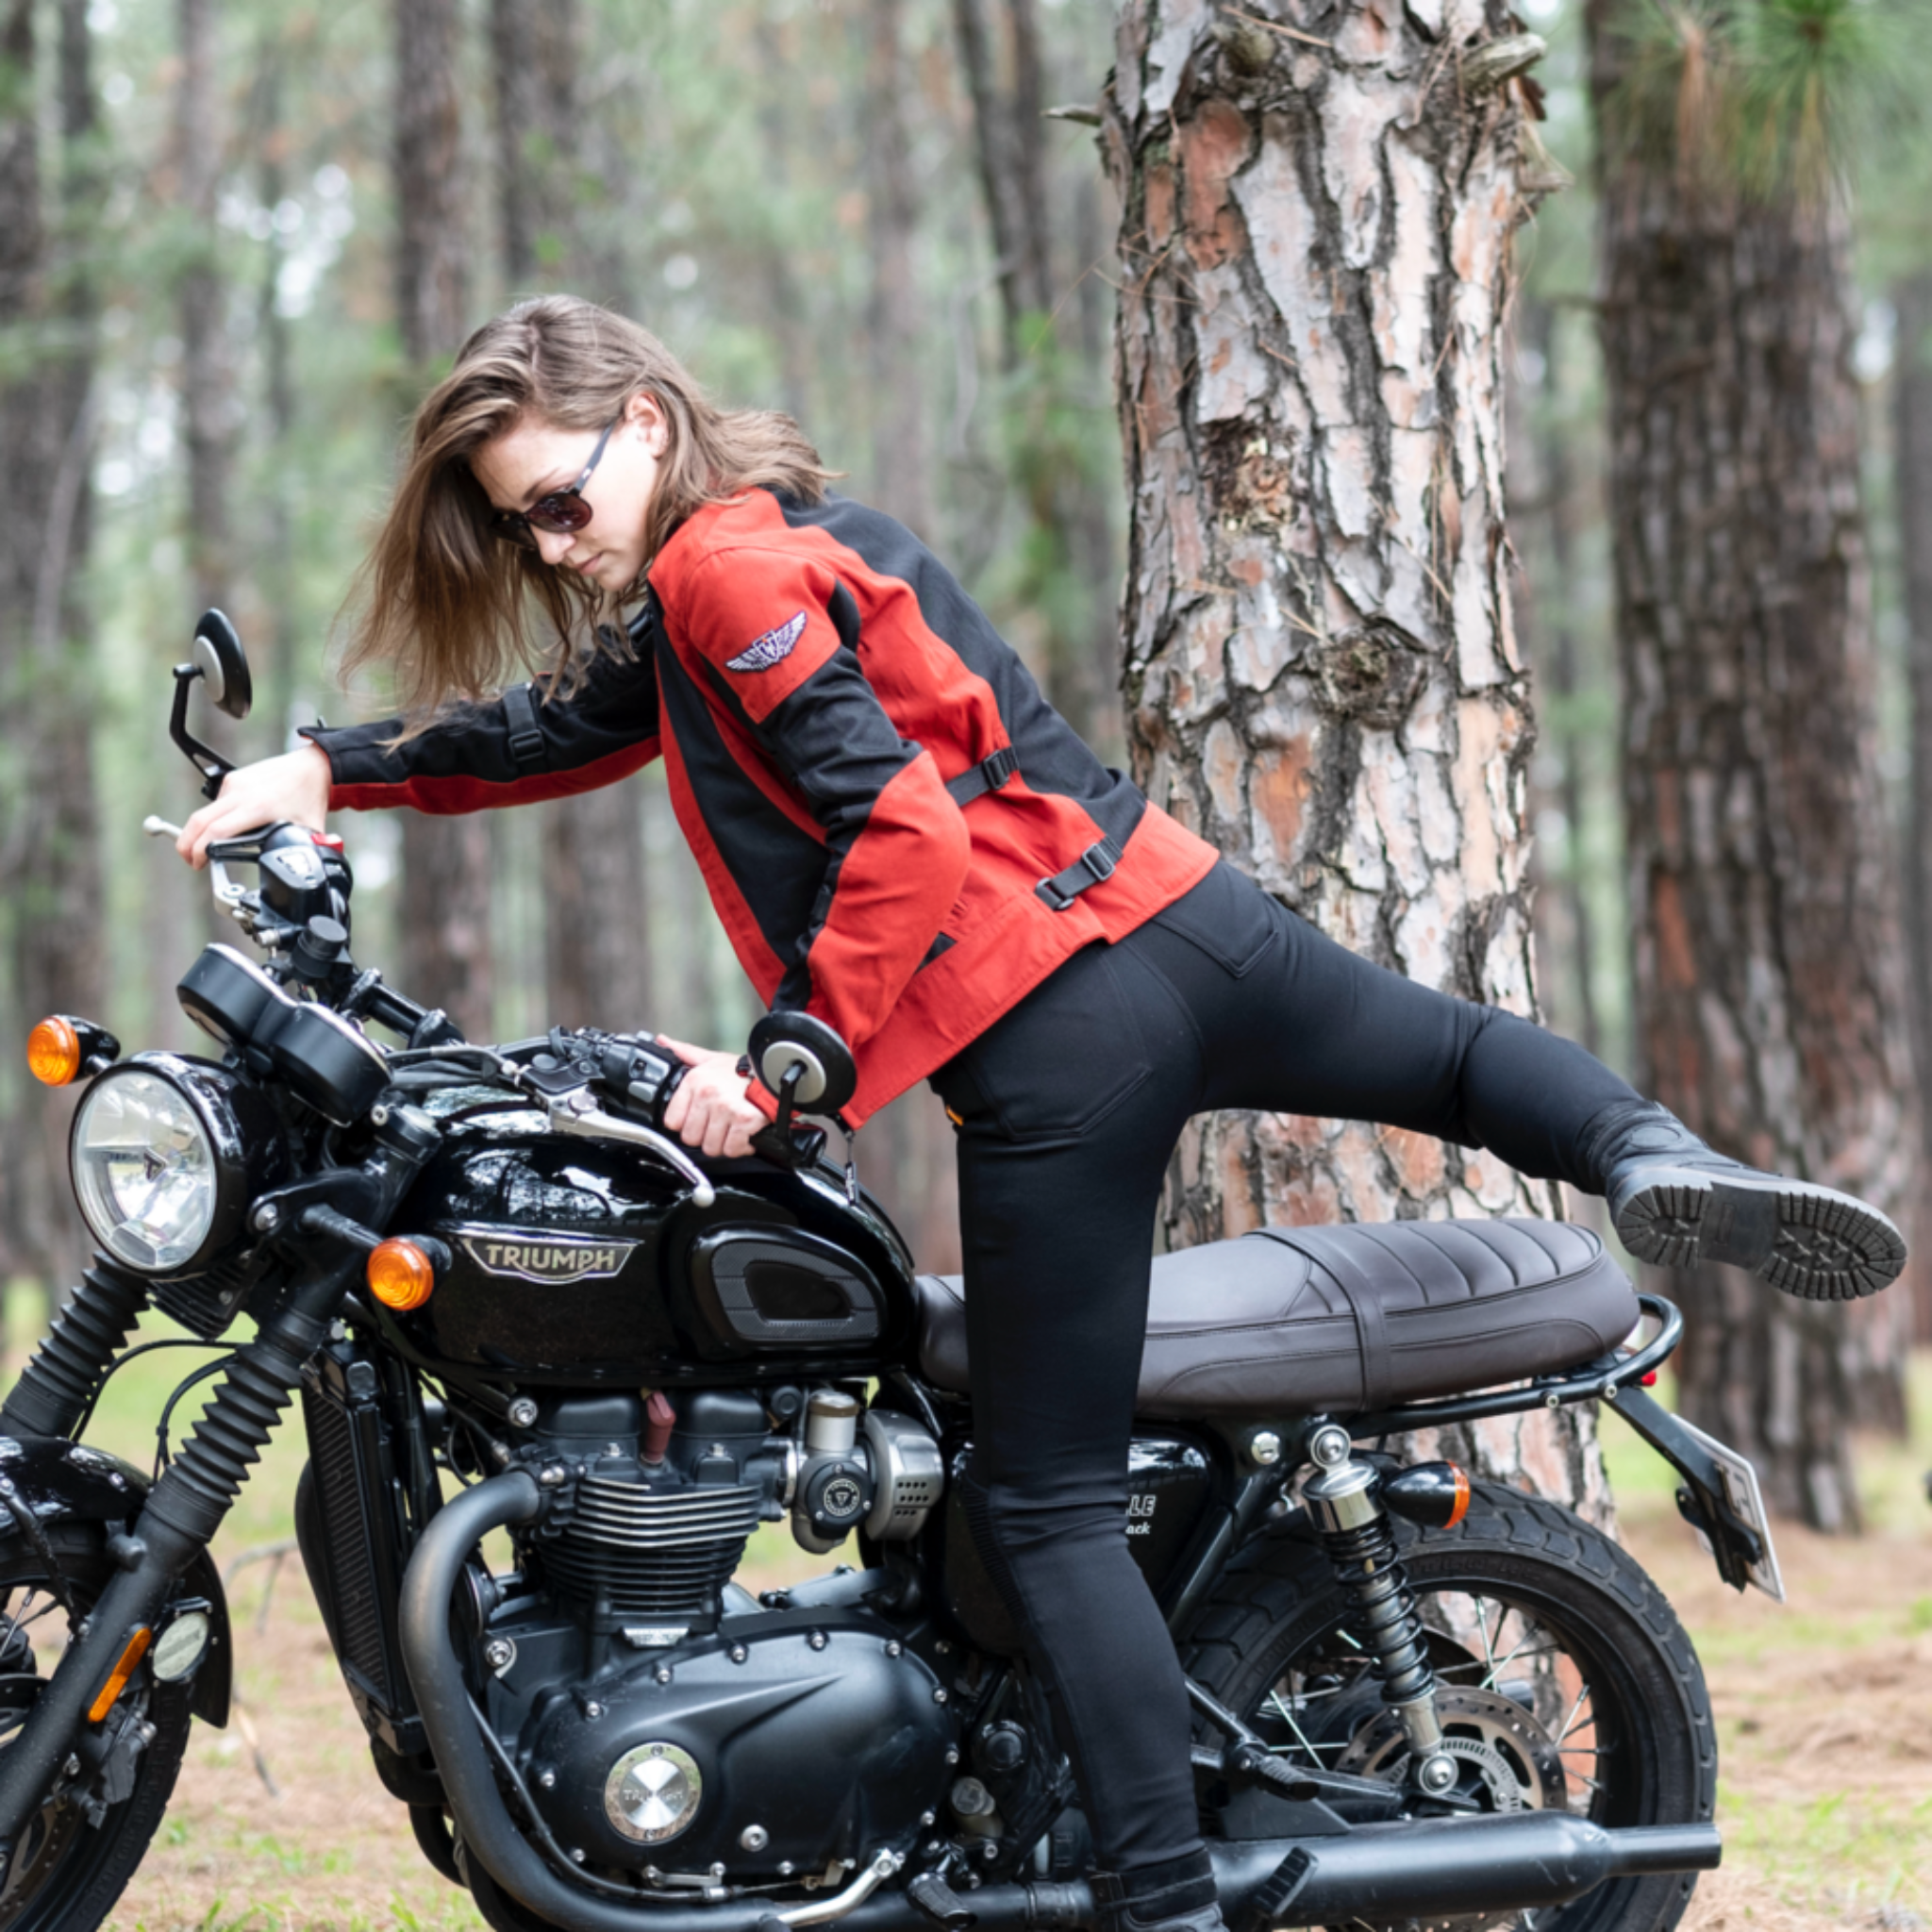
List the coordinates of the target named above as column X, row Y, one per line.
column 507, row 1300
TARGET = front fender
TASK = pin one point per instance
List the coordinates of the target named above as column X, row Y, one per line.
column 69, row 1482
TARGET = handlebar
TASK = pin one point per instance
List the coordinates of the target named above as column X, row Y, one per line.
column 299, row 914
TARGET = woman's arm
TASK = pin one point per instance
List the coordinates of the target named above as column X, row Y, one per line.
column 518, row 749
column 524, row 745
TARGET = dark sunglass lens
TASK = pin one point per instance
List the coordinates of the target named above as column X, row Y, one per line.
column 560, row 514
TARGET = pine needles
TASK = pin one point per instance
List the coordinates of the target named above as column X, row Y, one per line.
column 1771, row 99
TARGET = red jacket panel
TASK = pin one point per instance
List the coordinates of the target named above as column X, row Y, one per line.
column 817, row 681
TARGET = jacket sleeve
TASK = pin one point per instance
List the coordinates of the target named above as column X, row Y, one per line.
column 518, row 749
column 779, row 638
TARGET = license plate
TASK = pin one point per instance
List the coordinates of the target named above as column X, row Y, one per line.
column 1747, row 1504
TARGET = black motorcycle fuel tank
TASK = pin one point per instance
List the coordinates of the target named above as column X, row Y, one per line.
column 576, row 1261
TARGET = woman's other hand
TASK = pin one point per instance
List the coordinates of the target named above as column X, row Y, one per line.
column 293, row 787
column 709, row 1111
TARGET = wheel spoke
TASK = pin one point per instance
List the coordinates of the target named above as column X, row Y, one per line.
column 1482, row 1625
column 1488, row 1682
column 1570, row 1721
column 1475, row 1663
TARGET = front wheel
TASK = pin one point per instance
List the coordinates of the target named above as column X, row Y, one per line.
column 1564, row 1681
column 78, row 1852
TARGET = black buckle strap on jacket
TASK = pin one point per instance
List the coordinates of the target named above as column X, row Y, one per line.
column 1094, row 865
column 525, row 735
column 989, row 775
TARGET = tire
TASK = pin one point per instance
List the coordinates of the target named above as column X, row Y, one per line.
column 1520, row 1584
column 68, row 1873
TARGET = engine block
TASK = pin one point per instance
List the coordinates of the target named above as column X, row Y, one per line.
column 790, row 1739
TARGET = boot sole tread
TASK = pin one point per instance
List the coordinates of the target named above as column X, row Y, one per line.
column 1808, row 1241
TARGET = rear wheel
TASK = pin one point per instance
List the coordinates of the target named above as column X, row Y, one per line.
column 77, row 1855
column 1565, row 1681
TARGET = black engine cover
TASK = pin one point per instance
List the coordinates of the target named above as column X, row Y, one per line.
column 809, row 1727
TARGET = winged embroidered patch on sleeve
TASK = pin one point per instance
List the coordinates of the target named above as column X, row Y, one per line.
column 773, row 648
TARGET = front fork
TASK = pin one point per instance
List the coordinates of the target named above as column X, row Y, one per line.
column 181, row 1515
column 1346, row 1504
column 195, row 1492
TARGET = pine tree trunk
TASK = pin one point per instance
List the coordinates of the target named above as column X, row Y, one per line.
column 1769, row 987
column 443, row 892
column 205, row 377
column 595, row 945
column 901, row 479
column 1320, row 673
column 50, row 872
column 1069, row 537
column 1540, row 471
column 1912, row 484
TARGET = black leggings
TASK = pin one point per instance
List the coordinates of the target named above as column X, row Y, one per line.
column 1069, row 1108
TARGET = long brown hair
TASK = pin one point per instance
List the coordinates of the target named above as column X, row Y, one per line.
column 446, row 603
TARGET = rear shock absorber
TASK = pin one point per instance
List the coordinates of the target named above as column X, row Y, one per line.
column 55, row 1386
column 1345, row 1501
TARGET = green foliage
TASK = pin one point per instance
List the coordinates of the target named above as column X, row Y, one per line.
column 1768, row 98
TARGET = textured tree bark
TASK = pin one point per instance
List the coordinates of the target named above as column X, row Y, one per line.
column 205, row 380
column 1320, row 672
column 534, row 53
column 908, row 1154
column 50, row 875
column 597, row 959
column 283, row 630
column 1541, row 469
column 443, row 893
column 431, row 284
column 1769, row 987
column 999, row 48
column 1912, row 485
column 1069, row 537
column 899, row 466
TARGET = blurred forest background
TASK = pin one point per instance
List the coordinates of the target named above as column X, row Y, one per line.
column 238, row 242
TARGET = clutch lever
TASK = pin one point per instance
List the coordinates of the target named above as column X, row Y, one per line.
column 577, row 1113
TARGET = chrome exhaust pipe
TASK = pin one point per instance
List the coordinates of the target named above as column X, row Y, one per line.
column 1383, row 1871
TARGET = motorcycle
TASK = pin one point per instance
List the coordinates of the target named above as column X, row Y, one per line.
column 508, row 1301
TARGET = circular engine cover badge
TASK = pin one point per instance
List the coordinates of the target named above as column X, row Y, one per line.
column 652, row 1792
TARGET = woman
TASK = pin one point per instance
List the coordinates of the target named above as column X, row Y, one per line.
column 901, row 836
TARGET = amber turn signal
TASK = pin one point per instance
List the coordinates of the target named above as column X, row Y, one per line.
column 400, row 1275
column 54, row 1051
column 117, row 1679
column 1435, row 1494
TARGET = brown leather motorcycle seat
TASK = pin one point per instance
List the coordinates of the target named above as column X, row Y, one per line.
column 1290, row 1320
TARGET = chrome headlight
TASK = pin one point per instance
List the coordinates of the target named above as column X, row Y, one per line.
column 154, row 1152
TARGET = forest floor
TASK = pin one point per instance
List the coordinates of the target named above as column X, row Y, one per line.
column 1824, row 1713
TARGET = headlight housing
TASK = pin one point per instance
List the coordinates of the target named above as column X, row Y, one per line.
column 156, row 1155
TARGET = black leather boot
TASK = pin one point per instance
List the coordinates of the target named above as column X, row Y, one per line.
column 1676, row 1203
column 1176, row 1896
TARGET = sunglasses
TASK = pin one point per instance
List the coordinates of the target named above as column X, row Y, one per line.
column 561, row 512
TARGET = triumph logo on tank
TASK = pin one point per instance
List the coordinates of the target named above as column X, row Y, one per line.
column 547, row 1260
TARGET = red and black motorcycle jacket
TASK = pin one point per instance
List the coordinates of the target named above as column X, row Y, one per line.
column 898, row 832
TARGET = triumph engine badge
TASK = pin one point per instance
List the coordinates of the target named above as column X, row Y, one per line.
column 547, row 1258
column 652, row 1792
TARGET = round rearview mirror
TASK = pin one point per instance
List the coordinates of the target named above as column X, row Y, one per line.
column 827, row 1076
column 223, row 664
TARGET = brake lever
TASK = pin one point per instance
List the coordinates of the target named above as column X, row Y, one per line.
column 226, row 890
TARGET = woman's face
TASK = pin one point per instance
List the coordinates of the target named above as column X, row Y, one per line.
column 533, row 457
